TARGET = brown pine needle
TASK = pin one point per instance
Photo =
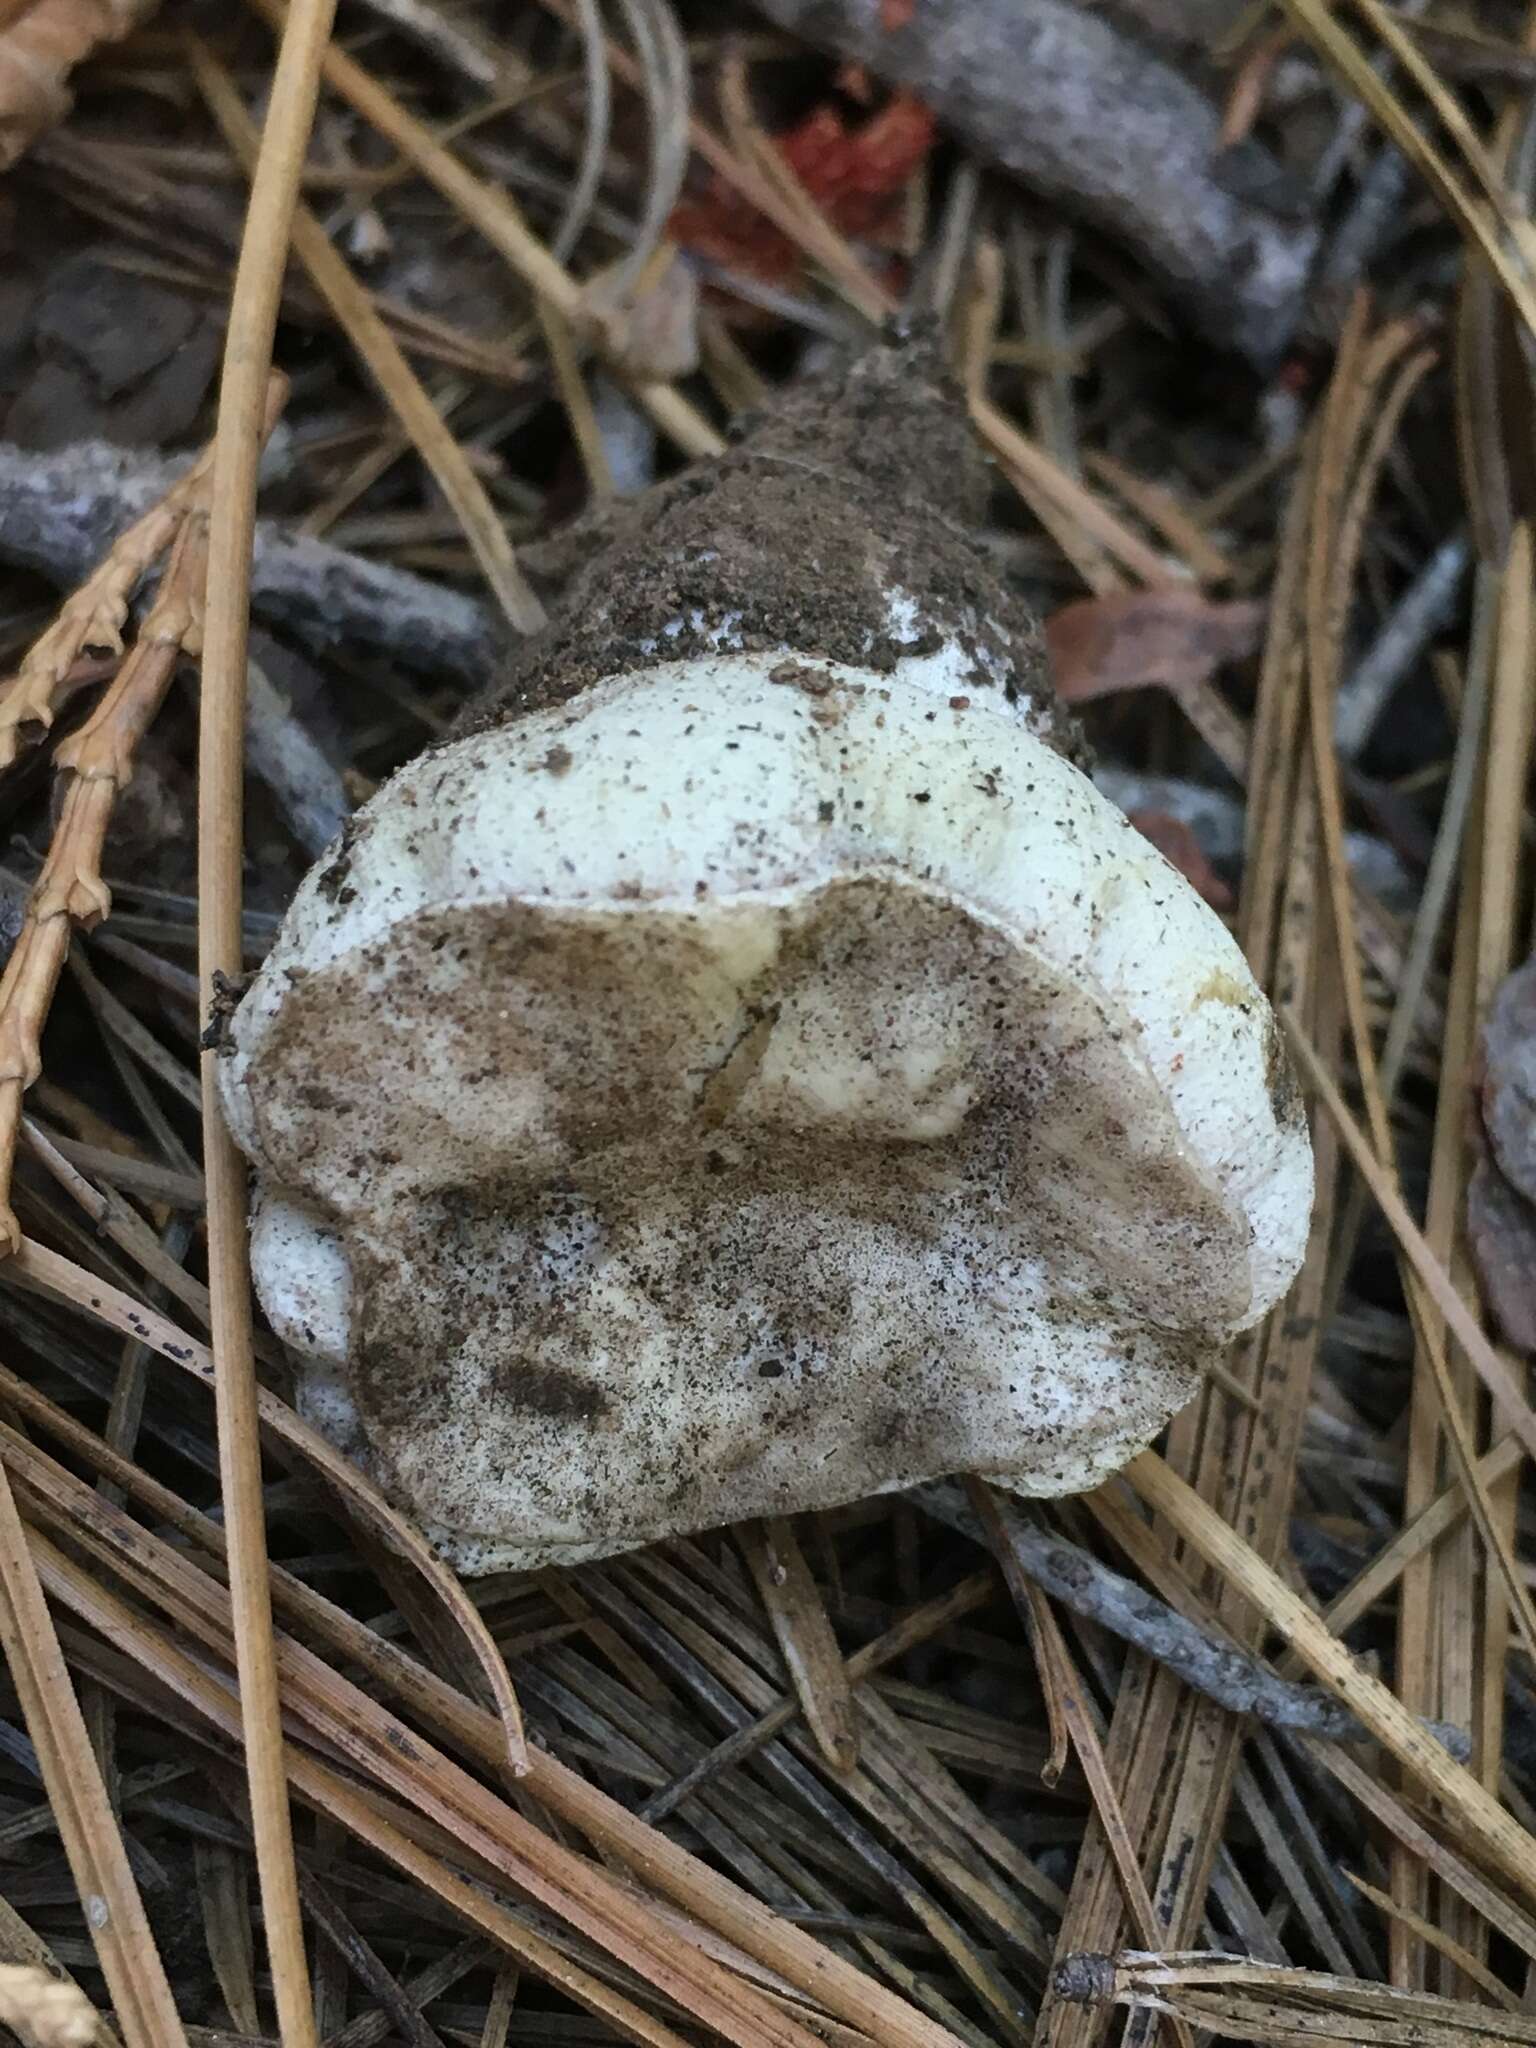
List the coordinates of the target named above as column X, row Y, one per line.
column 1064, row 1689
column 1461, row 1956
column 805, row 1637
column 1034, row 1612
column 714, row 1901
column 358, row 316
column 364, row 1817
column 1497, row 1376
column 484, row 1829
column 60, row 1276
column 220, row 792
column 1482, row 221
column 1501, row 1841
column 93, row 1843
column 492, row 213
column 1231, row 1995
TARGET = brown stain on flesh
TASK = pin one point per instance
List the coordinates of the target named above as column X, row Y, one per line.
column 1280, row 1082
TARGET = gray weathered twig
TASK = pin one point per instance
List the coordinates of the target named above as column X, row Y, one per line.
column 1204, row 1660
column 59, row 513
column 1097, row 123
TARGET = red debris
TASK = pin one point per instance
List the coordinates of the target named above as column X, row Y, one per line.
column 855, row 172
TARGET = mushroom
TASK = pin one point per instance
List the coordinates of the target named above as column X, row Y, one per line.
column 750, row 1066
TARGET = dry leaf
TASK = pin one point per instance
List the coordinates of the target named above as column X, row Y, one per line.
column 1501, row 1198
column 1177, row 843
column 855, row 172
column 37, row 54
column 1501, row 1228
column 1509, row 1084
column 1173, row 635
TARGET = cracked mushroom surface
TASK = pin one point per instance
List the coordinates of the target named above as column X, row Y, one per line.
column 751, row 1066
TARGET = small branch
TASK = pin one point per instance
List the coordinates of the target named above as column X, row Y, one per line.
column 59, row 512
column 98, row 762
column 90, row 622
column 1217, row 1668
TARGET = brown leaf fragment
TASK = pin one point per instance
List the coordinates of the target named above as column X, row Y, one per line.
column 37, row 53
column 1509, row 1084
column 1127, row 639
column 1177, row 843
column 1501, row 1227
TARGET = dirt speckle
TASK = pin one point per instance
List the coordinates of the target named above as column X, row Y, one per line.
column 799, row 675
column 332, row 879
column 218, row 1037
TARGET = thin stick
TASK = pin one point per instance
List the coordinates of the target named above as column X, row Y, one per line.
column 1176, row 1630
column 247, row 357
column 94, row 764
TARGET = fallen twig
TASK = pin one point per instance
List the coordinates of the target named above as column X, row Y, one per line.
column 1098, row 125
column 59, row 513
column 1205, row 1661
column 98, row 762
